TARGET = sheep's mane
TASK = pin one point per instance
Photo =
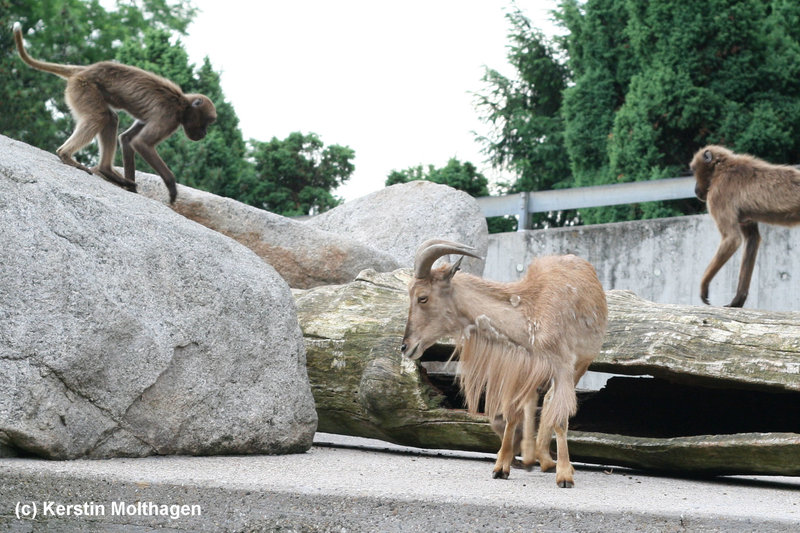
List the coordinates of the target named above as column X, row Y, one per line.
column 507, row 372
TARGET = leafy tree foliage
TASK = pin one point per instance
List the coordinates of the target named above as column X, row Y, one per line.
column 645, row 84
column 602, row 65
column 137, row 33
column 528, row 132
column 462, row 176
column 294, row 176
column 525, row 113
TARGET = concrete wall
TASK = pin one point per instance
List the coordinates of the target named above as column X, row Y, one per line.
column 661, row 260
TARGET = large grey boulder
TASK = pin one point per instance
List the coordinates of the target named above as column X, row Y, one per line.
column 128, row 330
column 399, row 218
column 305, row 256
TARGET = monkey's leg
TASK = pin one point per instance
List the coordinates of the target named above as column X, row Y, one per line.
column 144, row 142
column 108, row 146
column 88, row 108
column 727, row 247
column 83, row 135
column 752, row 239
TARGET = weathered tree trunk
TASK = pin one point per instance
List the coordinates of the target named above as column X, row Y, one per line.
column 692, row 344
column 721, row 396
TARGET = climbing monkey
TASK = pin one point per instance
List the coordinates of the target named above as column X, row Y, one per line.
column 94, row 92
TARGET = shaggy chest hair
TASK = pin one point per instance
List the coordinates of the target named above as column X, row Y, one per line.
column 507, row 372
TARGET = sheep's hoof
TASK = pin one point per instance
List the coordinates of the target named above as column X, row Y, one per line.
column 565, row 484
column 499, row 474
column 529, row 466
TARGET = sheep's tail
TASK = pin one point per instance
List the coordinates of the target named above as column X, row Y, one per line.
column 561, row 404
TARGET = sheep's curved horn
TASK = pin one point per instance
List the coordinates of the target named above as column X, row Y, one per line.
column 431, row 250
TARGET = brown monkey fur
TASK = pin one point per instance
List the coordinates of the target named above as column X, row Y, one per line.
column 741, row 191
column 159, row 106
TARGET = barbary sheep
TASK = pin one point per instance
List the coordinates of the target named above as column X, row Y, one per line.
column 513, row 340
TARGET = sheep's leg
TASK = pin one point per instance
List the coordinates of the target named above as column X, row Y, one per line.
column 543, row 437
column 564, row 469
column 502, row 467
column 499, row 426
column 529, row 432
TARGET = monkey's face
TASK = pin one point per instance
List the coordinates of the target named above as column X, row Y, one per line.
column 701, row 187
column 702, row 166
column 198, row 116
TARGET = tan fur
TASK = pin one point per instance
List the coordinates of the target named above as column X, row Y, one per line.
column 159, row 106
column 741, row 191
column 504, row 370
column 513, row 339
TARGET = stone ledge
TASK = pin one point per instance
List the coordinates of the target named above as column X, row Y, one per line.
column 361, row 485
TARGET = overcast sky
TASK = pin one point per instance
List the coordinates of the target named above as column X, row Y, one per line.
column 392, row 80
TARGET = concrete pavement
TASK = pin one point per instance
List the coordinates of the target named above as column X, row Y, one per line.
column 346, row 484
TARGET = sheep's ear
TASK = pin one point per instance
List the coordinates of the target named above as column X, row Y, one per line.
column 455, row 267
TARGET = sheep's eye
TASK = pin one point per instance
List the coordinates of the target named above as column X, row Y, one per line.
column 422, row 299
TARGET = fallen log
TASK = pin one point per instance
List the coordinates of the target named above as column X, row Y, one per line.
column 711, row 390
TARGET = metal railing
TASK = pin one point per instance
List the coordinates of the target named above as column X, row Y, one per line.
column 523, row 204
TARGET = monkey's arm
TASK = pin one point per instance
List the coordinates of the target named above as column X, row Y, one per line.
column 143, row 138
column 154, row 160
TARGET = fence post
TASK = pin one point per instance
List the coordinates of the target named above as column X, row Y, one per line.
column 522, row 212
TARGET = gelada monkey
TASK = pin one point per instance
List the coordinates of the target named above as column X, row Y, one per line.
column 741, row 191
column 159, row 106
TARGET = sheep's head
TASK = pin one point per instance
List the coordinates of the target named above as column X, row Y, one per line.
column 431, row 310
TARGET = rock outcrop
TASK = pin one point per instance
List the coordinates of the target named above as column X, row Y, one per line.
column 303, row 255
column 128, row 330
column 399, row 218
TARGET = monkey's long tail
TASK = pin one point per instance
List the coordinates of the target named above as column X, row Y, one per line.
column 65, row 71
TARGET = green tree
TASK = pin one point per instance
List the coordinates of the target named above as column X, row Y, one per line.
column 647, row 83
column 525, row 114
column 295, row 176
column 462, row 176
column 602, row 64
